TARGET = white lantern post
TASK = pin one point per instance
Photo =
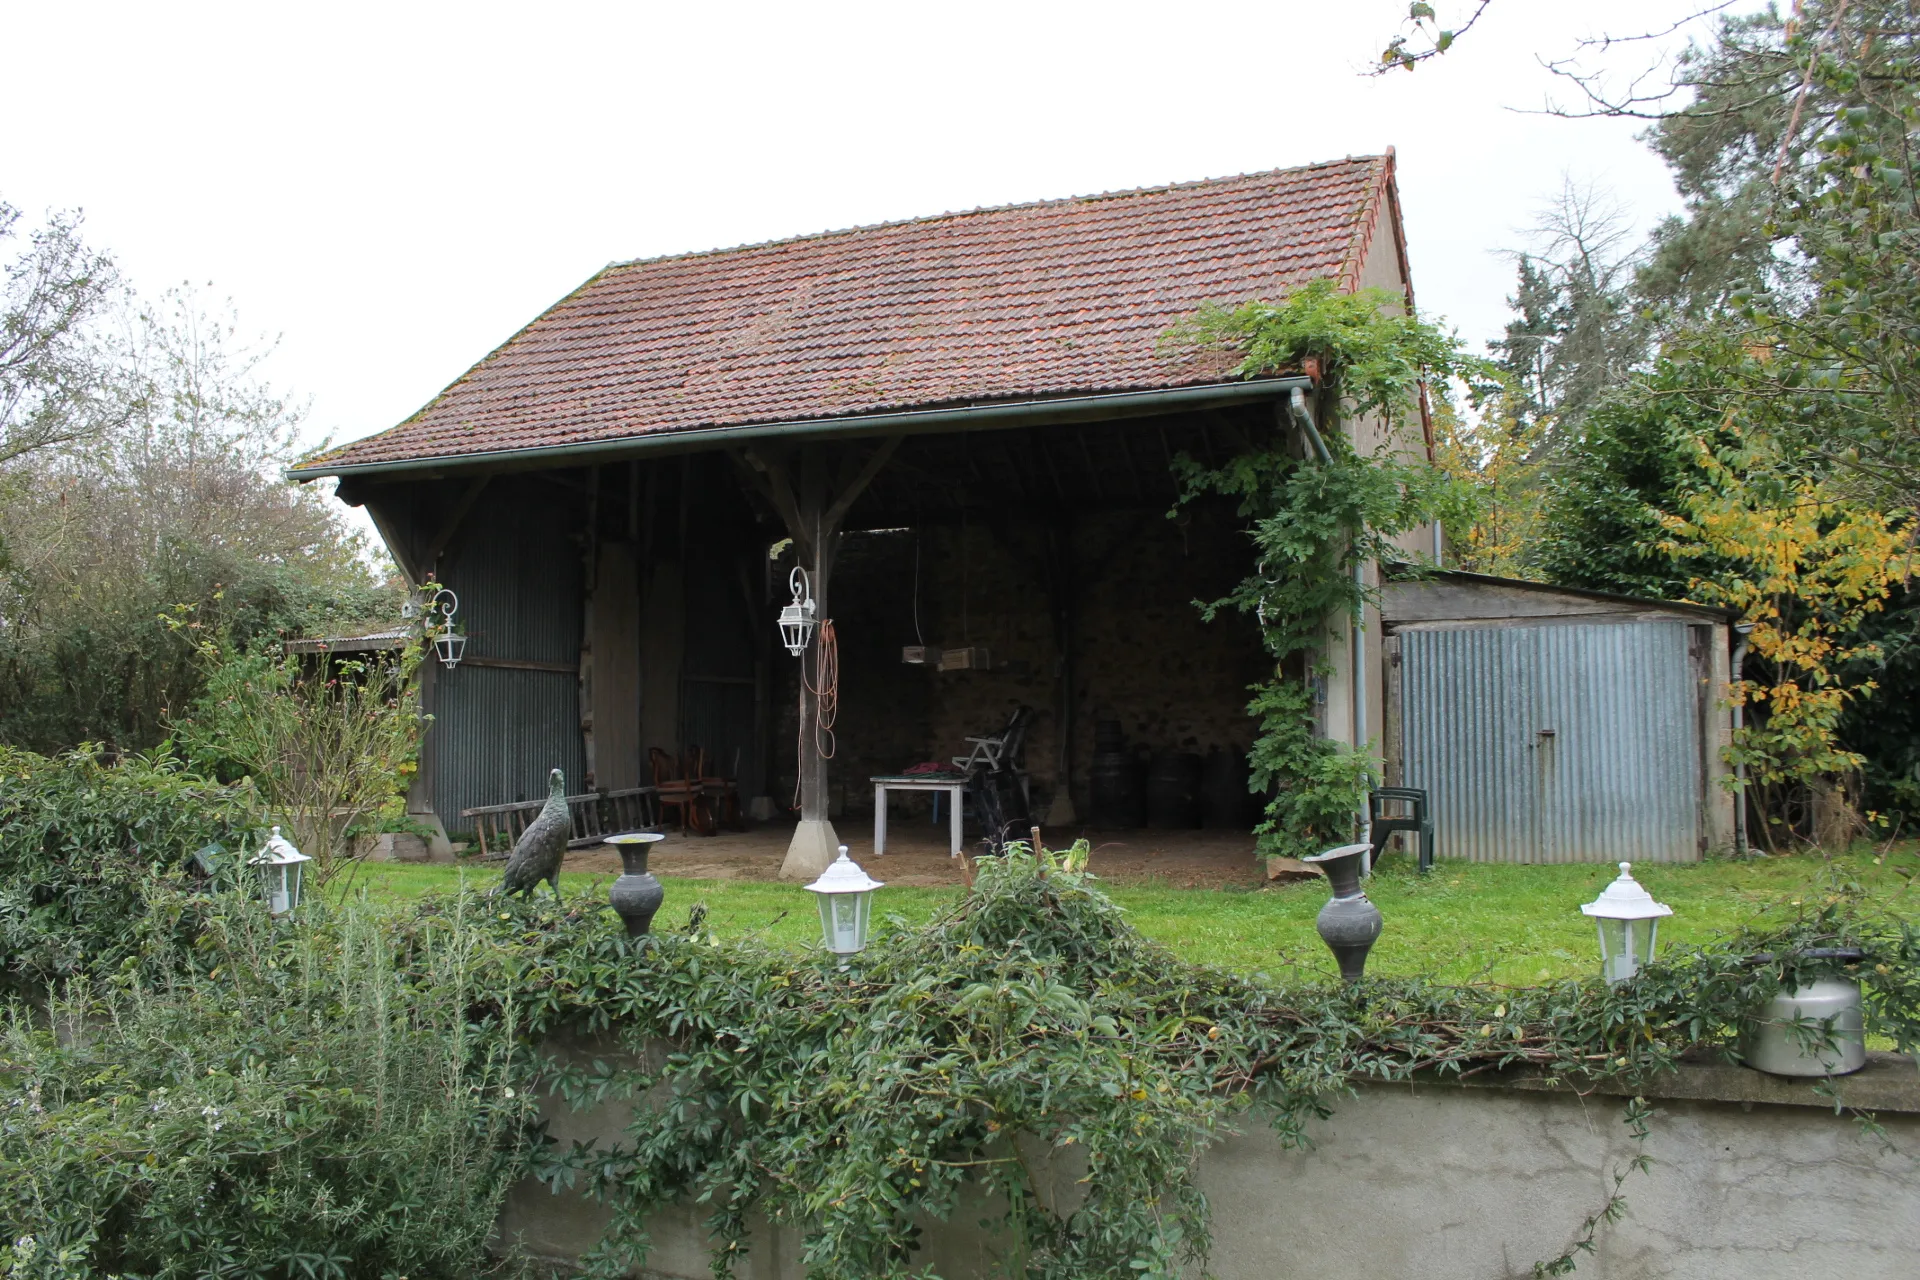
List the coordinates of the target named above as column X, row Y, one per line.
column 845, row 897
column 796, row 618
column 1629, row 922
column 280, row 867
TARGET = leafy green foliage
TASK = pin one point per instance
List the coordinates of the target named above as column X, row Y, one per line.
column 1312, row 521
column 1382, row 356
column 1028, row 1038
column 81, row 841
column 344, row 1094
column 1636, row 462
column 266, row 1101
column 330, row 743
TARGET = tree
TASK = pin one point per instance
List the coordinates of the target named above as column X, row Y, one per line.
column 1792, row 140
column 1575, row 334
column 53, row 387
column 1808, row 569
column 175, row 500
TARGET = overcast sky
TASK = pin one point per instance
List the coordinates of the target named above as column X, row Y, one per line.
column 394, row 189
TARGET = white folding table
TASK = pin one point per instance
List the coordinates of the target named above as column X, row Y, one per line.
column 954, row 784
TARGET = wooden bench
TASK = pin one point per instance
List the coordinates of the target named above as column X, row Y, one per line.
column 596, row 815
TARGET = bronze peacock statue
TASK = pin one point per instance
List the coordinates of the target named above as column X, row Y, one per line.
column 537, row 853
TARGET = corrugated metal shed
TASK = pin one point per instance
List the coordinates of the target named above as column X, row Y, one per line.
column 1550, row 725
column 1555, row 743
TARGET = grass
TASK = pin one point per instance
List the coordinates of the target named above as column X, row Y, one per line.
column 1466, row 921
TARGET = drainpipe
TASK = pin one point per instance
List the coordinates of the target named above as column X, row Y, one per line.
column 1745, row 631
column 1297, row 401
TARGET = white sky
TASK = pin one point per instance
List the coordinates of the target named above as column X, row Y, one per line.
column 394, row 189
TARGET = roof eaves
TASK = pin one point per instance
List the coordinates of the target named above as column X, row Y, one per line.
column 978, row 416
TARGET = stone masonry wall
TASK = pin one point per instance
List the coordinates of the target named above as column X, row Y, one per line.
column 1144, row 657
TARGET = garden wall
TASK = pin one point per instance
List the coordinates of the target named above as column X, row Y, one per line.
column 1753, row 1177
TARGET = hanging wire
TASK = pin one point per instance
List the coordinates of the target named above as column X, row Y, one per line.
column 916, row 590
column 826, row 697
column 826, row 701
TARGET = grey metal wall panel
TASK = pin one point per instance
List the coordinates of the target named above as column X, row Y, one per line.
column 1556, row 743
column 498, row 730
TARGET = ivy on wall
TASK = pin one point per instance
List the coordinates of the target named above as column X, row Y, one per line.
column 1311, row 520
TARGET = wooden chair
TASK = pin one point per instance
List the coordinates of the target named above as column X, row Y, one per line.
column 676, row 790
column 722, row 790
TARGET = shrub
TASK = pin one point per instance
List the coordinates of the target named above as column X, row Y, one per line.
column 81, row 840
column 310, row 1101
column 330, row 745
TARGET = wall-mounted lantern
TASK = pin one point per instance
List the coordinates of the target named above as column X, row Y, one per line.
column 845, row 896
column 796, row 619
column 280, row 873
column 448, row 643
column 1629, row 922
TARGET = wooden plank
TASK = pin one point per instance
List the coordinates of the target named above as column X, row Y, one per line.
column 521, row 664
column 616, row 669
column 451, row 525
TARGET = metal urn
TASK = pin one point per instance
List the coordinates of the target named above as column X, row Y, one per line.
column 636, row 895
column 1816, row 1029
column 1348, row 924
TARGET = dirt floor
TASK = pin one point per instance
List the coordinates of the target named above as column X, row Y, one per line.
column 917, row 855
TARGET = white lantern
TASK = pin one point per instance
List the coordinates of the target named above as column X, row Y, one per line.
column 796, row 619
column 845, row 896
column 448, row 643
column 280, row 869
column 1629, row 922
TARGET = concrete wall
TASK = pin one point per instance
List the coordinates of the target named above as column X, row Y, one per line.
column 1753, row 1178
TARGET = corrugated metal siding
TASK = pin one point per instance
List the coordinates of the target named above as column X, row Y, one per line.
column 1618, row 777
column 498, row 730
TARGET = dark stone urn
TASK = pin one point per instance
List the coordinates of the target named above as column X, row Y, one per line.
column 636, row 895
column 1348, row 924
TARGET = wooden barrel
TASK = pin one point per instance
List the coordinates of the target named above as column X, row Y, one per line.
column 1173, row 790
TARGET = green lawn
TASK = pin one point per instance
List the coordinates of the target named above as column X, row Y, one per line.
column 1466, row 921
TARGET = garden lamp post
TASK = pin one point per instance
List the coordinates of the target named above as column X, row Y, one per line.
column 1629, row 922
column 796, row 618
column 280, row 868
column 845, row 896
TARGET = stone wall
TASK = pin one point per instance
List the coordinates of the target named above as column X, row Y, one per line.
column 1753, row 1178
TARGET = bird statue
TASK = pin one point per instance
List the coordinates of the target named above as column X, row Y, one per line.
column 537, row 853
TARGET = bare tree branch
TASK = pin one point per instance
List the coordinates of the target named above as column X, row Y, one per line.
column 1423, row 26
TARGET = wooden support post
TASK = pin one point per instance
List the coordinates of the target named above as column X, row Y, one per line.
column 812, row 507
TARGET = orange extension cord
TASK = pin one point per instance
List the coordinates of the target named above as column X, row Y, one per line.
column 826, row 700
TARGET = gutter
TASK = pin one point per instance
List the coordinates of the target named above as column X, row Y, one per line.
column 1018, row 413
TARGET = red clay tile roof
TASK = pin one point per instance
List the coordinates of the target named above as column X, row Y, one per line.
column 1065, row 297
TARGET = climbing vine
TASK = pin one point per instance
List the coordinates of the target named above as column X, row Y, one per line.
column 1311, row 519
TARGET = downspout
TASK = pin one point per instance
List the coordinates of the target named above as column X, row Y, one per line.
column 1745, row 631
column 1297, row 402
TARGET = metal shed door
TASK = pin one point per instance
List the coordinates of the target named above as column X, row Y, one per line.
column 1562, row 743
